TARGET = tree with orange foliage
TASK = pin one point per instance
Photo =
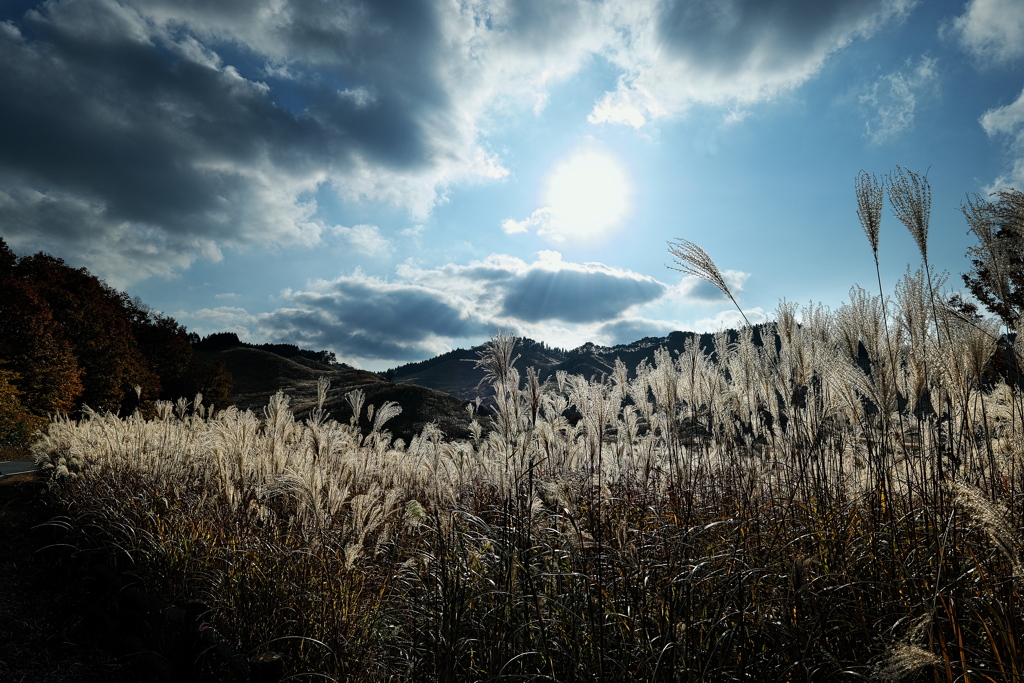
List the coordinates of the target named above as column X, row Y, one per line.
column 67, row 340
column 41, row 375
column 93, row 320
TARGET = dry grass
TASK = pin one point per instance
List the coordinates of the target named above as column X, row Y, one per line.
column 841, row 504
column 43, row 635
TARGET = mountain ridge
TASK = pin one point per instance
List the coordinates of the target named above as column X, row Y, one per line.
column 259, row 374
column 454, row 372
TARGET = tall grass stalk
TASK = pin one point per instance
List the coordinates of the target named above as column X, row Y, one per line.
column 747, row 511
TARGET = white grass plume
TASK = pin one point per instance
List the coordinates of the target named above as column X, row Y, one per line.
column 870, row 195
column 911, row 199
column 692, row 260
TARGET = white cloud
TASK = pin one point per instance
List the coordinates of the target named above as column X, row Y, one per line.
column 206, row 321
column 364, row 239
column 992, row 31
column 413, row 231
column 538, row 220
column 730, row 319
column 1008, row 122
column 892, row 101
column 630, row 105
column 694, row 290
column 546, row 222
column 166, row 131
column 676, row 53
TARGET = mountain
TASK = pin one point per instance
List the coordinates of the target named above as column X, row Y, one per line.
column 454, row 372
column 434, row 390
column 258, row 374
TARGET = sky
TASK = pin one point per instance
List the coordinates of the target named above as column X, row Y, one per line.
column 392, row 179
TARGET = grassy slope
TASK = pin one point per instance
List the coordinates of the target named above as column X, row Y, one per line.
column 259, row 374
column 454, row 372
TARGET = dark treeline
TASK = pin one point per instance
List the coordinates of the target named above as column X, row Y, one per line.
column 222, row 341
column 68, row 340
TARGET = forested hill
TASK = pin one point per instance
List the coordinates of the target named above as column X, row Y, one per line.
column 261, row 370
column 68, row 340
column 222, row 341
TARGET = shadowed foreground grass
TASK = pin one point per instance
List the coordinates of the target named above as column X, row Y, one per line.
column 614, row 549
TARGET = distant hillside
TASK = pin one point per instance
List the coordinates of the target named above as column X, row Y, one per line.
column 434, row 390
column 222, row 341
column 258, row 374
column 454, row 372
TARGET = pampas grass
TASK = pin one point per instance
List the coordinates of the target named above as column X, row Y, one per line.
column 773, row 508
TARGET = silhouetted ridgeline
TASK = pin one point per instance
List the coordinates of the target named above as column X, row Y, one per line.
column 454, row 372
column 221, row 341
column 259, row 374
column 261, row 370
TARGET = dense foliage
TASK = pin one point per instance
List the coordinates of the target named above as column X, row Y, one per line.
column 68, row 340
column 996, row 278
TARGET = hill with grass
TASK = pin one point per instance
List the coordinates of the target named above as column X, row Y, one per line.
column 456, row 373
column 258, row 374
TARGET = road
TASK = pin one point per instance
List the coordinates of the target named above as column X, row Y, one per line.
column 13, row 467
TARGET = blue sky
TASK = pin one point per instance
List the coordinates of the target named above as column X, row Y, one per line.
column 393, row 179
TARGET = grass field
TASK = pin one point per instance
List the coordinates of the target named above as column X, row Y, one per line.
column 835, row 496
column 755, row 516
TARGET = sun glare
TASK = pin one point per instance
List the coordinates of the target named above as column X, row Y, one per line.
column 588, row 195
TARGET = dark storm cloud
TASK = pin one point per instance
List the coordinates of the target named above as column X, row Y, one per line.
column 576, row 296
column 165, row 131
column 383, row 308
column 360, row 317
column 364, row 318
column 696, row 290
column 314, row 329
column 123, row 111
column 704, row 292
column 115, row 118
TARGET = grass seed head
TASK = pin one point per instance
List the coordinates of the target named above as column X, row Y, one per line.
column 870, row 194
column 911, row 198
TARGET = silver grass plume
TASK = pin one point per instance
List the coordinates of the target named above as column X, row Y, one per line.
column 322, row 386
column 355, row 399
column 908, row 656
column 497, row 360
column 996, row 522
column 692, row 260
column 913, row 317
column 870, row 195
column 911, row 198
column 387, row 411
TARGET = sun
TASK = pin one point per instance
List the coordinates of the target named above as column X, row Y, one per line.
column 587, row 195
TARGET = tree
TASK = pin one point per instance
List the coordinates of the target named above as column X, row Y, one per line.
column 92, row 318
column 16, row 423
column 169, row 349
column 41, row 362
column 68, row 339
column 997, row 276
